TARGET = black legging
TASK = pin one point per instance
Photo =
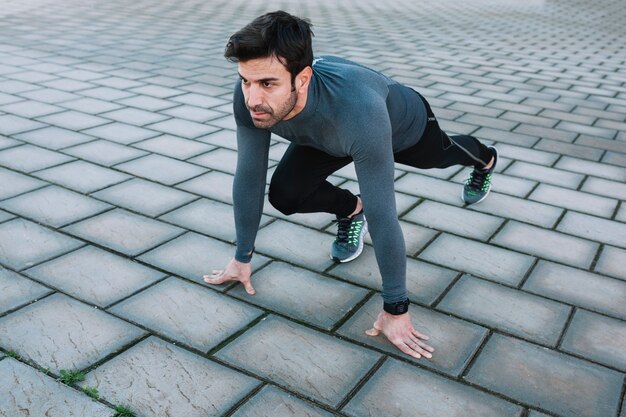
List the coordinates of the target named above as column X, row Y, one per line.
column 299, row 183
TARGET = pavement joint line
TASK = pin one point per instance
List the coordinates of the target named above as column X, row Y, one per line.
column 622, row 405
column 566, row 326
column 245, row 399
column 350, row 313
column 361, row 383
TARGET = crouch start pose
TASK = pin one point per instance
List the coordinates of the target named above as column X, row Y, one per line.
column 334, row 112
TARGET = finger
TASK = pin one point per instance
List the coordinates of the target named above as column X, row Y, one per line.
column 248, row 286
column 420, row 335
column 408, row 350
column 372, row 332
column 215, row 279
column 417, row 347
column 218, row 271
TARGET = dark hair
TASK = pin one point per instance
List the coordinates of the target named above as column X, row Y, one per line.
column 278, row 34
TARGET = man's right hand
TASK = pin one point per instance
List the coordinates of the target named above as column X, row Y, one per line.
column 234, row 271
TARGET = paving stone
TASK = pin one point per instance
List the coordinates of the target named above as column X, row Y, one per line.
column 507, row 309
column 214, row 185
column 4, row 216
column 224, row 139
column 580, row 288
column 621, row 214
column 16, row 290
column 606, row 188
column 161, row 169
column 612, row 261
column 415, row 237
column 513, row 138
column 187, row 313
column 529, row 155
column 547, row 244
column 574, row 200
column 82, row 176
column 311, row 363
column 61, row 333
column 121, row 133
column 14, row 183
column 193, row 113
column 577, row 151
column 203, row 388
column 454, row 220
column 27, row 392
column 274, row 402
column 199, row 100
column 425, row 282
column 430, row 188
column 219, row 159
column 296, row 244
column 144, row 197
column 90, row 105
column 224, row 122
column 597, row 338
column 614, row 158
column 8, row 142
column 533, row 413
column 54, row 206
column 124, row 232
column 95, row 276
column 134, row 117
column 595, row 169
column 10, row 125
column 49, row 95
column 174, row 147
column 302, row 295
column 104, row 152
column 30, row 109
column 192, row 255
column 455, row 341
column 106, row 93
column 182, row 128
column 53, row 137
column 73, row 120
column 594, row 228
column 313, row 220
column 545, row 175
column 398, row 389
column 478, row 259
column 147, row 103
column 28, row 158
column 208, row 217
column 550, row 380
column 23, row 244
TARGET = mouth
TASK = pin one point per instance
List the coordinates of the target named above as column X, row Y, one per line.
column 258, row 115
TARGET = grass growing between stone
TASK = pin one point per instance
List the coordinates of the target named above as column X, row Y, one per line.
column 70, row 377
column 124, row 411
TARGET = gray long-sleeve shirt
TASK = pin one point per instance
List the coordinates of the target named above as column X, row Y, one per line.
column 351, row 111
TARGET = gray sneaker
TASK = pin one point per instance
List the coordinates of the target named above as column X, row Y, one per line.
column 350, row 234
column 478, row 184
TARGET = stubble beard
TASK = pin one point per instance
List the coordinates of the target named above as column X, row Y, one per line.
column 275, row 115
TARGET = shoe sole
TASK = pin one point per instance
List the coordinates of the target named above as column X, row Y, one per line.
column 358, row 251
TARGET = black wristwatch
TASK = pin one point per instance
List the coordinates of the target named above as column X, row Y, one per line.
column 398, row 308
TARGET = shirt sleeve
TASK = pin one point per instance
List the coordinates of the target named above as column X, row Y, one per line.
column 250, row 178
column 373, row 158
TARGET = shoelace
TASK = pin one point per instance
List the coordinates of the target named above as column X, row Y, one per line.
column 348, row 230
column 479, row 180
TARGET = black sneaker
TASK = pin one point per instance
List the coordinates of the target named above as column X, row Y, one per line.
column 478, row 184
column 350, row 234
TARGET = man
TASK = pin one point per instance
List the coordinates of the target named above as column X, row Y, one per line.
column 334, row 112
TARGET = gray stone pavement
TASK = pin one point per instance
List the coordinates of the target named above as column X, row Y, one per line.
column 117, row 154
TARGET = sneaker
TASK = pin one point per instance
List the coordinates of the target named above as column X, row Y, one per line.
column 350, row 235
column 478, row 184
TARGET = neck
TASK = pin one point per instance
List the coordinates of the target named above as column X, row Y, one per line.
column 301, row 99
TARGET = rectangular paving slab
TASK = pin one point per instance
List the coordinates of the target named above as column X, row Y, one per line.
column 192, row 256
column 513, row 311
column 54, row 206
column 594, row 228
column 597, row 337
column 274, row 402
column 161, row 169
column 82, row 176
column 580, row 288
column 95, row 276
column 398, row 389
column 187, row 313
column 478, row 259
column 29, row 158
column 124, row 232
column 547, row 379
column 612, row 261
column 301, row 294
column 25, row 392
column 24, row 244
column 575, row 200
column 61, row 333
column 14, row 183
column 424, row 283
column 16, row 290
column 455, row 341
column 547, row 244
column 159, row 379
column 309, row 362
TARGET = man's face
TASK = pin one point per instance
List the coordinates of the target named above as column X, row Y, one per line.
column 267, row 90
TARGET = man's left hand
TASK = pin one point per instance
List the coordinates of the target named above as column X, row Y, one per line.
column 400, row 331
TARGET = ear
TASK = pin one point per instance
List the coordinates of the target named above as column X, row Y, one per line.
column 303, row 79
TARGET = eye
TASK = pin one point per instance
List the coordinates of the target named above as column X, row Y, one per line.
column 244, row 82
column 267, row 84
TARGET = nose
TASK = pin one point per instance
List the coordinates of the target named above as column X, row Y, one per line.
column 255, row 96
